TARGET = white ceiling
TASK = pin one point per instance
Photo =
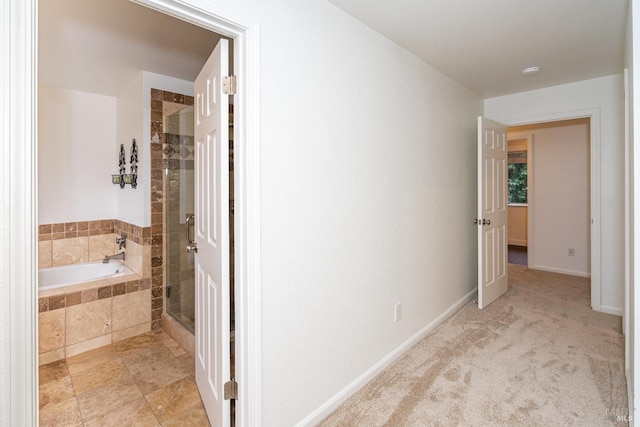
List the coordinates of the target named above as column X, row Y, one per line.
column 100, row 45
column 484, row 44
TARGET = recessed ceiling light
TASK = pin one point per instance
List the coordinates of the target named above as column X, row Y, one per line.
column 531, row 71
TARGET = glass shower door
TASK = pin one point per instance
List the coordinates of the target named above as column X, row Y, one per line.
column 179, row 193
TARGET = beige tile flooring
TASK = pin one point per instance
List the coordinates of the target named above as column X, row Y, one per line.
column 147, row 380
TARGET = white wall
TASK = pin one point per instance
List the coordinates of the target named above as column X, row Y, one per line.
column 517, row 225
column 79, row 140
column 130, row 203
column 368, row 198
column 134, row 118
column 76, row 133
column 604, row 94
column 559, row 195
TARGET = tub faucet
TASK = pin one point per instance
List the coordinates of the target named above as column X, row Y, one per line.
column 108, row 258
column 121, row 241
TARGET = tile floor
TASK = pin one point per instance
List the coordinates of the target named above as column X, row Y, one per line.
column 147, row 380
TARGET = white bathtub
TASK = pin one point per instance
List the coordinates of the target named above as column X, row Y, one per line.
column 54, row 277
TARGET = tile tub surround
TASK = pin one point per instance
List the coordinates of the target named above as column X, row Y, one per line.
column 77, row 242
column 78, row 318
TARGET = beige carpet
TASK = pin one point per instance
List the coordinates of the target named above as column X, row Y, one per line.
column 537, row 356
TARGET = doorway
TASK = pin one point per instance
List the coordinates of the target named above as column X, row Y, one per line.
column 21, row 52
column 185, row 305
column 556, row 223
column 517, row 206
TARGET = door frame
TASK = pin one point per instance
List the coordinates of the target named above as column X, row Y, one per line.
column 593, row 114
column 18, row 194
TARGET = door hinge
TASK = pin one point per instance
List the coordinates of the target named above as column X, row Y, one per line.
column 229, row 85
column 231, row 390
column 168, row 291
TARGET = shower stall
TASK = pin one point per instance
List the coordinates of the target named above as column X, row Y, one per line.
column 178, row 215
column 179, row 220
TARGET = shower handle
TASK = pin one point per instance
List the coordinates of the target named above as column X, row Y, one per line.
column 191, row 244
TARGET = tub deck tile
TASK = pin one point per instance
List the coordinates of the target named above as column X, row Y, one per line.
column 74, row 299
column 105, row 292
column 86, row 285
column 57, row 301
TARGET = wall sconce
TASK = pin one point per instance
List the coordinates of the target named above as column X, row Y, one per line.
column 134, row 164
column 123, row 178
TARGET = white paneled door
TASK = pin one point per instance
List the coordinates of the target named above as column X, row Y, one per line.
column 492, row 211
column 211, row 232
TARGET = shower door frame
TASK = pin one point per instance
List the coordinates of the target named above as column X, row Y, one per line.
column 175, row 290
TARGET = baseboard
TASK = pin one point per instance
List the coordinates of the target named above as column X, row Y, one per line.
column 610, row 310
column 516, row 242
column 333, row 403
column 559, row 270
column 630, row 402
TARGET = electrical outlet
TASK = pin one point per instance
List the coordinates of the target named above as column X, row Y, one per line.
column 571, row 252
column 397, row 312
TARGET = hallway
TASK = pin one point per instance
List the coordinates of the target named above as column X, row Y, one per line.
column 538, row 355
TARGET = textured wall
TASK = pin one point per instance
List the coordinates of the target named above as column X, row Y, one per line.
column 368, row 195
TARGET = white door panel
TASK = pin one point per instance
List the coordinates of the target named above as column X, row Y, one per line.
column 212, row 235
column 492, row 211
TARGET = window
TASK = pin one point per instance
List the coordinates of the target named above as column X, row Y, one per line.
column 517, row 167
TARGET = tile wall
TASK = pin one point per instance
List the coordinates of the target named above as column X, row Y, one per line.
column 77, row 318
column 82, row 317
column 83, row 241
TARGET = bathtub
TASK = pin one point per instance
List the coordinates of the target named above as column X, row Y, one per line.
column 54, row 277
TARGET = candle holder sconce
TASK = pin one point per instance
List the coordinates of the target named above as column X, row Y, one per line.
column 123, row 178
column 134, row 164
